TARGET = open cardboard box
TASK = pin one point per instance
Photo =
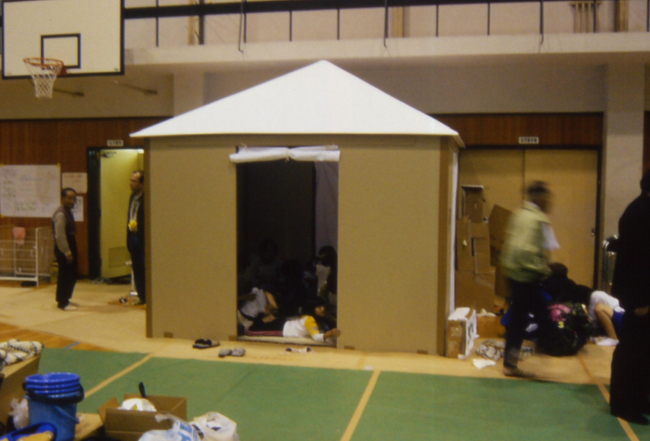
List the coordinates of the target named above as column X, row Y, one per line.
column 12, row 386
column 129, row 425
column 461, row 332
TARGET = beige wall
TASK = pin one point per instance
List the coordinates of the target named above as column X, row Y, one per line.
column 388, row 238
column 104, row 97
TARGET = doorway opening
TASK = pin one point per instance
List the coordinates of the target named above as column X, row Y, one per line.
column 287, row 211
column 109, row 171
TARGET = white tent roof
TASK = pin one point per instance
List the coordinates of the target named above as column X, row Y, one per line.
column 317, row 99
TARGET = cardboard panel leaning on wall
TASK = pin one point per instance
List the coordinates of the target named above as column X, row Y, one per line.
column 388, row 240
column 191, row 243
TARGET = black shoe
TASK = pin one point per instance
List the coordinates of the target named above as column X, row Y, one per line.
column 632, row 417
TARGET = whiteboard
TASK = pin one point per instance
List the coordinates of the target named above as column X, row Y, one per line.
column 29, row 190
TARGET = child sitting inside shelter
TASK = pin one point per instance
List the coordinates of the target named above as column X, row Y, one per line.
column 264, row 270
column 311, row 324
column 258, row 304
column 322, row 274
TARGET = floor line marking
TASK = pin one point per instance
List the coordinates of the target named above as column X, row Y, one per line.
column 120, row 374
column 356, row 417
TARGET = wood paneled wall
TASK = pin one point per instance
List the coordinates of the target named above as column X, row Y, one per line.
column 64, row 142
column 567, row 129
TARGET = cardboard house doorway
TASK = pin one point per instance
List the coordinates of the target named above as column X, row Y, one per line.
column 109, row 171
column 293, row 204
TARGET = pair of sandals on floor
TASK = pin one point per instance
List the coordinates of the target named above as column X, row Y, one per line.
column 202, row 343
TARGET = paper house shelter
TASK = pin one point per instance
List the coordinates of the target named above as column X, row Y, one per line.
column 395, row 208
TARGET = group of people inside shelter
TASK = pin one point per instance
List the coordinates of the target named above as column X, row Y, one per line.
column 565, row 314
column 289, row 298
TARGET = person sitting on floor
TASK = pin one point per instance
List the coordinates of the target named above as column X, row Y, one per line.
column 562, row 289
column 321, row 276
column 258, row 304
column 606, row 311
column 292, row 291
column 264, row 270
column 311, row 324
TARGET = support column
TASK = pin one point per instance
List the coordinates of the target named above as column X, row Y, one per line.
column 189, row 92
column 623, row 152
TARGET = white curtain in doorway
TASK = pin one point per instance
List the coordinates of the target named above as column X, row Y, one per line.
column 259, row 154
column 328, row 153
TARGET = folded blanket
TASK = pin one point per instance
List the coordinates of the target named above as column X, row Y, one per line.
column 14, row 351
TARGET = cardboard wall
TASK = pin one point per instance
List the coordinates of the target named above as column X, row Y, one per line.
column 388, row 238
column 191, row 243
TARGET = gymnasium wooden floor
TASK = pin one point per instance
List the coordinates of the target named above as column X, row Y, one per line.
column 102, row 324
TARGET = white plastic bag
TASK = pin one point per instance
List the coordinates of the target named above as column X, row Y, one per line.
column 141, row 404
column 20, row 412
column 215, row 427
column 181, row 431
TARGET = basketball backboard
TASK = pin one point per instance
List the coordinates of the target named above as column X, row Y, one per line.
column 87, row 35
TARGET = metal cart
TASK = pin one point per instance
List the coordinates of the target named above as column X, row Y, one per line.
column 26, row 254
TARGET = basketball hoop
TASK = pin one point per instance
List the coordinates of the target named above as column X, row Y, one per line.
column 44, row 71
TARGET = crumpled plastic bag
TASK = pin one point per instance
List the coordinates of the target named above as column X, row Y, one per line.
column 180, row 431
column 141, row 404
column 20, row 412
column 214, row 426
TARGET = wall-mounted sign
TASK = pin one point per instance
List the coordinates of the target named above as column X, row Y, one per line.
column 529, row 140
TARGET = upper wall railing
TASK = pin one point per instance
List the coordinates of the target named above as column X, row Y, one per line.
column 156, row 23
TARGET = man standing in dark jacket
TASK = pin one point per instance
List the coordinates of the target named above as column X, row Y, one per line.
column 65, row 249
column 135, row 234
column 630, row 381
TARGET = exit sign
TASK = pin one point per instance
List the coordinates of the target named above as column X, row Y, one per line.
column 528, row 140
column 114, row 143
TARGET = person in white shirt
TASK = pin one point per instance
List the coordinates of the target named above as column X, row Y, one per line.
column 606, row 311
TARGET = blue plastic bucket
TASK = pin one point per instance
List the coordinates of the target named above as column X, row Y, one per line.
column 53, row 379
column 59, row 410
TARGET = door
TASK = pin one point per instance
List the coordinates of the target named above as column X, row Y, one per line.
column 573, row 178
column 116, row 168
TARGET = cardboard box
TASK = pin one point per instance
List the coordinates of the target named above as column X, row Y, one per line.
column 461, row 332
column 498, row 227
column 489, row 326
column 472, row 246
column 501, row 283
column 129, row 425
column 475, row 290
column 473, row 202
column 464, row 256
column 12, row 386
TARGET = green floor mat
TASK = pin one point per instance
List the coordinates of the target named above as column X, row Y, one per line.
column 281, row 403
column 426, row 407
column 92, row 366
column 267, row 402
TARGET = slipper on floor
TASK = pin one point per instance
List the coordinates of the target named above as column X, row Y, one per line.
column 202, row 343
column 301, row 350
column 238, row 352
column 225, row 352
